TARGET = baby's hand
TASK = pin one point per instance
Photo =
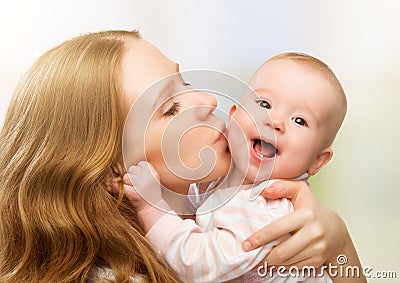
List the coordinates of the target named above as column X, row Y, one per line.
column 142, row 186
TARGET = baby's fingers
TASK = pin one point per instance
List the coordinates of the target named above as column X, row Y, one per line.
column 145, row 167
column 127, row 180
column 130, row 192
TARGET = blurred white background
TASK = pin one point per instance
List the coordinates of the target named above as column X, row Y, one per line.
column 360, row 40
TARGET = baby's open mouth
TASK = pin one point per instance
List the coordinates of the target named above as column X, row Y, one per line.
column 264, row 149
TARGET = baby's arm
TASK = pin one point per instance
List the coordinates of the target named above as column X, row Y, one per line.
column 215, row 255
column 142, row 188
column 206, row 256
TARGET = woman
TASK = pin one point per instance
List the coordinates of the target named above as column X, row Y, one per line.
column 62, row 145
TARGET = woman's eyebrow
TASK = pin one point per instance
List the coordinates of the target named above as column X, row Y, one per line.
column 166, row 89
column 164, row 93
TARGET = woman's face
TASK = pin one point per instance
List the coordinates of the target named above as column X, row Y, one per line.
column 170, row 125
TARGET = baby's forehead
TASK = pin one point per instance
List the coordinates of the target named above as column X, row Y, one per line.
column 249, row 95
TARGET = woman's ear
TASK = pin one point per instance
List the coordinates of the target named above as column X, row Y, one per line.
column 323, row 157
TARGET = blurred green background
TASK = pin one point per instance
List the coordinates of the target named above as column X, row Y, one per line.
column 360, row 40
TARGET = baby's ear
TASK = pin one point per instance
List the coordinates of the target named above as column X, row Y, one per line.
column 323, row 157
column 232, row 110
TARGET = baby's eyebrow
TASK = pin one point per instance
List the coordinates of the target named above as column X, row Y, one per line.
column 262, row 92
column 312, row 114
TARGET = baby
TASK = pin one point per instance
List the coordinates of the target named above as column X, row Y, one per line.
column 282, row 130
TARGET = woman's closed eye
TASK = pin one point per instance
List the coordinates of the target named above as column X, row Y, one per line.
column 173, row 110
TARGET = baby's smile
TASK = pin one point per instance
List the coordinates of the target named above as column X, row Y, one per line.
column 264, row 148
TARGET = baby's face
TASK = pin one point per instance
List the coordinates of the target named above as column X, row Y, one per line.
column 285, row 123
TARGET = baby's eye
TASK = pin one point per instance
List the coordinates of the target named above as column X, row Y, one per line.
column 186, row 84
column 264, row 104
column 173, row 110
column 300, row 121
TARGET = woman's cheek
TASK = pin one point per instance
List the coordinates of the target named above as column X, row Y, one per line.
column 197, row 147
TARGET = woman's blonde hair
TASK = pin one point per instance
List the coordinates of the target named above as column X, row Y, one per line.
column 60, row 143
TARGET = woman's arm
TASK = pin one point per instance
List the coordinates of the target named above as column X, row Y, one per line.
column 319, row 235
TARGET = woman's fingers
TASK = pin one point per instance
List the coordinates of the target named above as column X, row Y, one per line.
column 291, row 250
column 297, row 191
column 305, row 258
column 286, row 253
column 282, row 189
column 318, row 233
column 274, row 230
column 306, row 243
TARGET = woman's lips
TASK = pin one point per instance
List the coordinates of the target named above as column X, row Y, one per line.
column 222, row 134
column 221, row 137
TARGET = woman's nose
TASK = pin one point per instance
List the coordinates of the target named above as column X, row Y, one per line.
column 206, row 104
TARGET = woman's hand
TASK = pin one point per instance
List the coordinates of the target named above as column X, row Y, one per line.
column 318, row 233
